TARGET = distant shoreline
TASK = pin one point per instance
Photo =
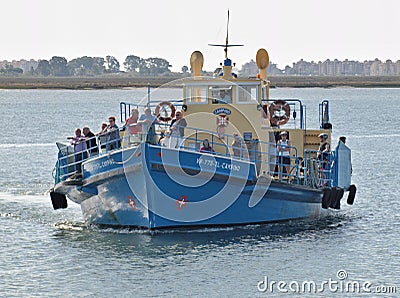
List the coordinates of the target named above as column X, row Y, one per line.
column 114, row 82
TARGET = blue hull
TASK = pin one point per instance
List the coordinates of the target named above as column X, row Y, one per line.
column 144, row 187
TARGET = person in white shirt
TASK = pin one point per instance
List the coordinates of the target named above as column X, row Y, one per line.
column 224, row 97
column 80, row 153
column 177, row 130
column 283, row 148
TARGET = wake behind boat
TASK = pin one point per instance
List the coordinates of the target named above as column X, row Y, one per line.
column 238, row 158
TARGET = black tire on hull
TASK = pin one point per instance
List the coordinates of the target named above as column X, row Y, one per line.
column 326, row 198
column 58, row 200
column 352, row 194
column 335, row 202
column 332, row 199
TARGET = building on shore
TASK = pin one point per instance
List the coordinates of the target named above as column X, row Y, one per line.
column 330, row 68
column 25, row 65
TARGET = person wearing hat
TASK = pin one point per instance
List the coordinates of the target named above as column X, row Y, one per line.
column 324, row 147
column 323, row 150
column 283, row 148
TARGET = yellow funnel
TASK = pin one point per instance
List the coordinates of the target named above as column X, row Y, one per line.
column 262, row 61
column 196, row 63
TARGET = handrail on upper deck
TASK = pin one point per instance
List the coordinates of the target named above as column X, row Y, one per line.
column 324, row 115
column 126, row 107
column 260, row 153
column 69, row 162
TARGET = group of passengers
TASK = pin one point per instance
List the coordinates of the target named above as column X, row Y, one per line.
column 108, row 137
column 138, row 126
column 283, row 148
column 142, row 127
column 175, row 136
column 85, row 143
column 238, row 146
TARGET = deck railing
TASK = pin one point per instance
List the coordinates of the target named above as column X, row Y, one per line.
column 310, row 171
column 318, row 168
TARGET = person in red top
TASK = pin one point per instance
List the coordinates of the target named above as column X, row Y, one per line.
column 102, row 135
column 206, row 148
column 131, row 122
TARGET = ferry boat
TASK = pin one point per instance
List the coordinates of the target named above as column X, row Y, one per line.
column 235, row 177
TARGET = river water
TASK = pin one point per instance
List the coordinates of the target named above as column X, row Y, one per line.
column 47, row 253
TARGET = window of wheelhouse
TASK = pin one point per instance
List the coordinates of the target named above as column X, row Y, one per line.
column 221, row 94
column 196, row 95
column 247, row 93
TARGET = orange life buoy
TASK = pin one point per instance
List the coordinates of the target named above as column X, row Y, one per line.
column 279, row 112
column 161, row 107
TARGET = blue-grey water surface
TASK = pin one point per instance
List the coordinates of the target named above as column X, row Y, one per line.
column 47, row 253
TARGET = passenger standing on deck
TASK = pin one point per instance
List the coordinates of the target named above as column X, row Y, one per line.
column 131, row 122
column 324, row 149
column 283, row 148
column 102, row 135
column 177, row 130
column 78, row 141
column 239, row 147
column 113, row 141
column 91, row 143
column 148, row 121
column 323, row 157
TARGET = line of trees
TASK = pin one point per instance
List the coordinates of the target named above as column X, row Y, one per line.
column 92, row 66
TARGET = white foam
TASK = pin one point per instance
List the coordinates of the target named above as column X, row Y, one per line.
column 28, row 145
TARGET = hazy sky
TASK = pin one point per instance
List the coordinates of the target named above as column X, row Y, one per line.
column 289, row 30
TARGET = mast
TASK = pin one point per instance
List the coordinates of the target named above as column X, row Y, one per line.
column 227, row 72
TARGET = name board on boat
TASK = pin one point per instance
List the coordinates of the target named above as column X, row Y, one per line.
column 99, row 165
column 247, row 136
column 222, row 111
column 212, row 163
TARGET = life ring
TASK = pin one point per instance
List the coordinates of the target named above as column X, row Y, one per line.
column 167, row 117
column 279, row 113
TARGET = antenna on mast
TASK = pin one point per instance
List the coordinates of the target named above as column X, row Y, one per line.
column 226, row 45
column 226, row 41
